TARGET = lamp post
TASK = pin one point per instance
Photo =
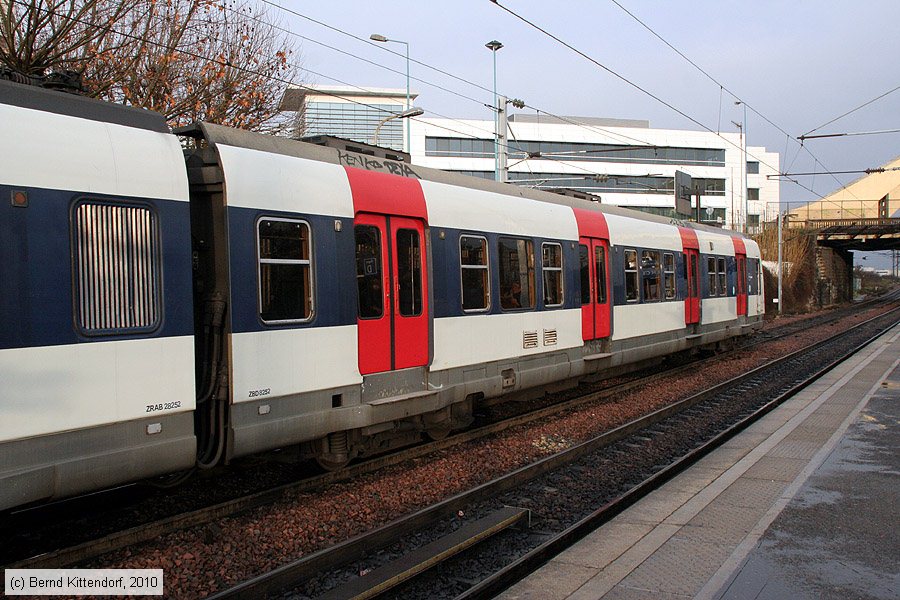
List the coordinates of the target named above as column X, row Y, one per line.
column 377, row 37
column 493, row 46
column 746, row 194
column 412, row 112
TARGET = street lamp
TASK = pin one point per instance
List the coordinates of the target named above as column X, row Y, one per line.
column 746, row 191
column 377, row 37
column 412, row 112
column 493, row 46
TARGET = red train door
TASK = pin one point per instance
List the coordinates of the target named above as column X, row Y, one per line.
column 692, row 300
column 740, row 256
column 593, row 254
column 392, row 289
column 741, row 284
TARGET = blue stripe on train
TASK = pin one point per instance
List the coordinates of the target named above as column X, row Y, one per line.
column 334, row 270
column 36, row 280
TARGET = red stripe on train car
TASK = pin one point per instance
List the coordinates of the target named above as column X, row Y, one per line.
column 591, row 223
column 386, row 194
column 689, row 239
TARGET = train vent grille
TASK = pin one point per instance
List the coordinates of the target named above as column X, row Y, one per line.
column 530, row 339
column 549, row 337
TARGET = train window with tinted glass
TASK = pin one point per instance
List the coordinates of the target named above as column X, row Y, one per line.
column 551, row 267
column 600, row 270
column 473, row 264
column 585, row 271
column 650, row 275
column 723, row 286
column 117, row 268
column 516, row 258
column 669, row 275
column 711, row 274
column 631, row 276
column 409, row 272
column 369, row 279
column 285, row 286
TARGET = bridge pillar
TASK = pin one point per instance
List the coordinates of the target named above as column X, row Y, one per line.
column 834, row 275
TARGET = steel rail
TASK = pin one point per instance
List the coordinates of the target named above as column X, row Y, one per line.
column 150, row 531
column 292, row 574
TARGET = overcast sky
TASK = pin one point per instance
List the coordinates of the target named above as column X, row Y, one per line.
column 799, row 63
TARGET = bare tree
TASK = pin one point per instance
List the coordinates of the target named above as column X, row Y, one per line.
column 187, row 59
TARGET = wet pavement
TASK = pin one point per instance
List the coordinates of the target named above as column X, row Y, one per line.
column 804, row 504
column 839, row 537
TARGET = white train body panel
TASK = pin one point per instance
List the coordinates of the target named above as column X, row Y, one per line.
column 89, row 156
column 293, row 361
column 477, row 210
column 59, row 388
column 718, row 310
column 635, row 233
column 500, row 337
column 266, row 181
column 638, row 320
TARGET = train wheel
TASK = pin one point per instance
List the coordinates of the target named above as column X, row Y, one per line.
column 438, row 433
column 331, row 465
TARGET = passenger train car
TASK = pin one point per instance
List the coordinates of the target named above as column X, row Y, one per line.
column 164, row 309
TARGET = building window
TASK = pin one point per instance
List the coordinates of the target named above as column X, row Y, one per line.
column 650, row 275
column 752, row 167
column 752, row 193
column 473, row 265
column 669, row 275
column 723, row 286
column 355, row 121
column 711, row 275
column 516, row 258
column 117, row 268
column 631, row 276
column 285, row 281
column 369, row 279
column 551, row 267
column 580, row 151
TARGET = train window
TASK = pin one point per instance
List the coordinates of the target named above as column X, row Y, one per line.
column 516, row 258
column 116, row 268
column 695, row 269
column 551, row 267
column 368, row 272
column 600, row 270
column 711, row 274
column 631, row 276
column 285, row 286
column 723, row 287
column 409, row 272
column 473, row 264
column 650, row 274
column 669, row 275
column 585, row 264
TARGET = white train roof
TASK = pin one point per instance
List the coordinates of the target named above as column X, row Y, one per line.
column 57, row 141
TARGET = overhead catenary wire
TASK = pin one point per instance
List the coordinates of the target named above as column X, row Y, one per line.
column 735, row 96
column 849, row 112
column 650, row 94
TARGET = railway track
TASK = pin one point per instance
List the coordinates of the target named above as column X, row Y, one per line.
column 479, row 538
column 28, row 551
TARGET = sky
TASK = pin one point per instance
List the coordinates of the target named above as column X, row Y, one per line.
column 796, row 63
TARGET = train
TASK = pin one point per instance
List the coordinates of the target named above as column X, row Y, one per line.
column 172, row 300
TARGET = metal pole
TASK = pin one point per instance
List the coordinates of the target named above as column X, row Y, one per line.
column 503, row 149
column 780, row 266
column 496, row 125
column 408, row 124
column 746, row 191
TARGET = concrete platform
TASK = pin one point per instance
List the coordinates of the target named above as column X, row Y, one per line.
column 803, row 504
